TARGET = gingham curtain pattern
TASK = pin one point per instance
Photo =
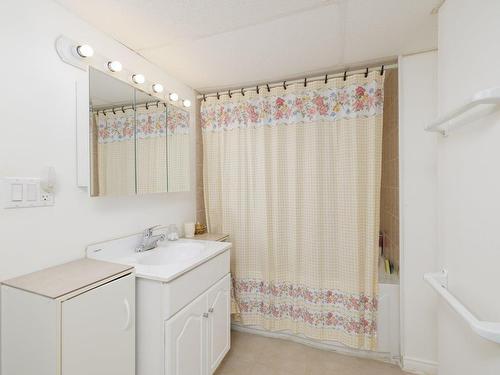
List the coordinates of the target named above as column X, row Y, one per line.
column 293, row 176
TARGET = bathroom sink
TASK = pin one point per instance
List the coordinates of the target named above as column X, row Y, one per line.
column 174, row 253
column 168, row 261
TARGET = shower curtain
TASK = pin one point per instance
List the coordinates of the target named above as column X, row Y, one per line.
column 143, row 151
column 178, row 149
column 115, row 157
column 293, row 176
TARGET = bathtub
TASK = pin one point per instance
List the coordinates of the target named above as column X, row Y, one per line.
column 387, row 325
column 388, row 335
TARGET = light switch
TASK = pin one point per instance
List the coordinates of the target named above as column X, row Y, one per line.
column 32, row 192
column 16, row 192
column 20, row 192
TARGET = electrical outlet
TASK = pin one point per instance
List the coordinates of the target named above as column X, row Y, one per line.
column 46, row 199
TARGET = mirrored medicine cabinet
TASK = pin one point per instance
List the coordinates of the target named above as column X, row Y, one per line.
column 138, row 144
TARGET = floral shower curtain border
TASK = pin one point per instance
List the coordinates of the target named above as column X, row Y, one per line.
column 151, row 123
column 295, row 107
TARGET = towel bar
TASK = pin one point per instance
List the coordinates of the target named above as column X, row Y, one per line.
column 488, row 330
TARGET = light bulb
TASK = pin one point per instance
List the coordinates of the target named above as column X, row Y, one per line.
column 173, row 96
column 115, row 66
column 157, row 87
column 138, row 78
column 186, row 103
column 85, row 51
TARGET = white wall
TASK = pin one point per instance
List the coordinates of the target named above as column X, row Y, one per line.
column 469, row 185
column 37, row 107
column 418, row 213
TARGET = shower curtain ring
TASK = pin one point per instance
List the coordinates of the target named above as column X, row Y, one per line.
column 268, row 89
column 229, row 94
column 157, row 103
column 114, row 111
column 284, row 85
column 242, row 92
column 382, row 70
column 147, row 106
column 218, row 96
column 326, row 79
column 123, row 109
column 257, row 89
column 366, row 73
column 305, row 82
column 204, row 98
column 345, row 75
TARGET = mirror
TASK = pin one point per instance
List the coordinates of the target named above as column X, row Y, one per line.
column 139, row 144
column 178, row 149
column 151, row 144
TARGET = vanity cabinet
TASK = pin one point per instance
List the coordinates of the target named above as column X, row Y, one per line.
column 74, row 319
column 198, row 337
column 184, row 323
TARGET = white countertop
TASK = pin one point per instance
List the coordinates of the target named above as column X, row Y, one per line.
column 123, row 253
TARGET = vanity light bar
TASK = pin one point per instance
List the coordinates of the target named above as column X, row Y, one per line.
column 173, row 96
column 115, row 66
column 157, row 87
column 84, row 51
column 138, row 78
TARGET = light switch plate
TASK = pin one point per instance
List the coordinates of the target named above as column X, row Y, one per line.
column 22, row 192
column 16, row 192
column 32, row 192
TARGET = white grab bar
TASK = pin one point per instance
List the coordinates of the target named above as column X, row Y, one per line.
column 488, row 330
column 488, row 96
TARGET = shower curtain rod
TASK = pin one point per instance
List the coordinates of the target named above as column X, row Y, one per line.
column 123, row 108
column 305, row 81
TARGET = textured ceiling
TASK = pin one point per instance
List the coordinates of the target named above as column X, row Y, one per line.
column 215, row 44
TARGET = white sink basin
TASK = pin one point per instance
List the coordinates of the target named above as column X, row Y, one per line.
column 175, row 253
column 168, row 261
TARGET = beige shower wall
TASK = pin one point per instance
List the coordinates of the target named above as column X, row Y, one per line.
column 389, row 193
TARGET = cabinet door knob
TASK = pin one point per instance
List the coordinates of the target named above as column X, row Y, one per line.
column 211, row 310
column 205, row 315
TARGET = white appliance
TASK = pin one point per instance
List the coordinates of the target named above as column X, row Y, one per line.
column 73, row 319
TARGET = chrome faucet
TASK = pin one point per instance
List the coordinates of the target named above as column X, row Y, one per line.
column 149, row 242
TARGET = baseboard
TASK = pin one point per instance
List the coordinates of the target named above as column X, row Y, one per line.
column 419, row 366
column 323, row 345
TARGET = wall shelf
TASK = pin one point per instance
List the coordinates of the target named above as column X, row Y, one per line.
column 487, row 330
column 444, row 123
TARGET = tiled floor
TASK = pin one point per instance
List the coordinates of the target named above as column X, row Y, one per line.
column 257, row 355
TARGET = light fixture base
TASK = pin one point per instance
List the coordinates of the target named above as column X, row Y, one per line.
column 66, row 49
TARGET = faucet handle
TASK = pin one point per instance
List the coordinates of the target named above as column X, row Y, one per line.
column 148, row 232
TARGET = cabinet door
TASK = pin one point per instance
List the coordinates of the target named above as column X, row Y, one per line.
column 186, row 340
column 98, row 330
column 219, row 322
